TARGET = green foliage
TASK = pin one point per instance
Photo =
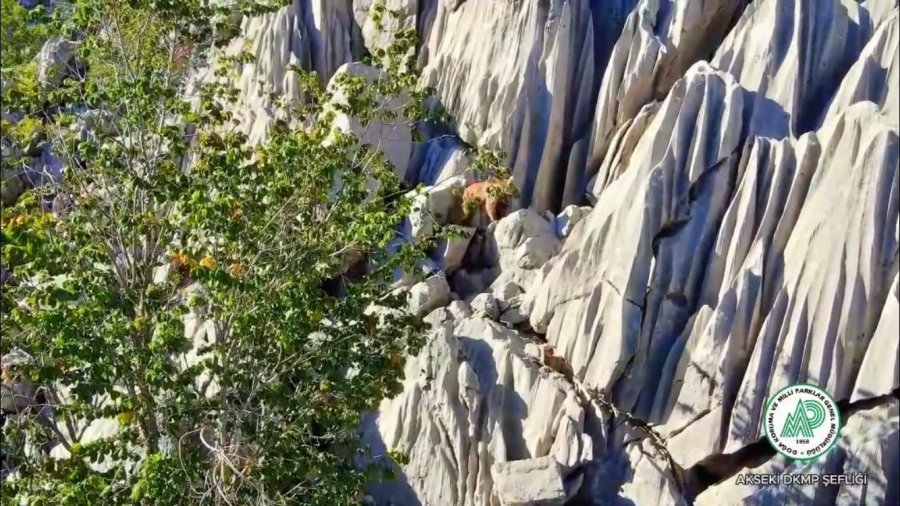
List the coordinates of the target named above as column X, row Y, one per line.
column 488, row 163
column 504, row 191
column 23, row 132
column 265, row 408
column 470, row 206
column 21, row 81
column 399, row 457
column 23, row 33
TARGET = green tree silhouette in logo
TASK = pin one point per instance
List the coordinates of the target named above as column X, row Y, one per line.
column 809, row 415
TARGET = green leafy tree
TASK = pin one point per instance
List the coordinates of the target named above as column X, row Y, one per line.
column 23, row 32
column 189, row 289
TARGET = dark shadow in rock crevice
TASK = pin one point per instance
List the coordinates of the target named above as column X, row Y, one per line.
column 397, row 491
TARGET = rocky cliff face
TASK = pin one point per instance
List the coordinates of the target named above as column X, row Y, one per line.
column 316, row 35
column 741, row 164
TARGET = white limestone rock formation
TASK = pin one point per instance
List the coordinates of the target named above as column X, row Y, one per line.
column 793, row 55
column 743, row 235
column 704, row 363
column 879, row 372
column 506, row 293
column 485, row 305
column 523, row 243
column 55, row 62
column 662, row 212
column 438, row 159
column 470, row 402
column 428, row 295
column 660, row 40
column 868, row 446
column 651, row 479
column 522, row 77
column 566, row 220
column 315, row 35
column 879, row 10
column 455, row 311
column 391, row 135
column 753, row 320
column 509, row 297
column 361, row 11
column 535, row 251
column 827, row 296
column 796, row 225
column 619, row 152
column 379, row 28
column 432, row 206
column 381, row 21
column 529, row 482
column 875, row 77
column 451, row 251
column 761, row 302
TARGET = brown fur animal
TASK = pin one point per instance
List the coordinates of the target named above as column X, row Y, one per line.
column 556, row 362
column 490, row 196
column 181, row 56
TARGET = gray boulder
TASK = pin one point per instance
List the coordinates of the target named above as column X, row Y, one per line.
column 531, row 482
column 484, row 304
column 429, row 295
column 56, row 61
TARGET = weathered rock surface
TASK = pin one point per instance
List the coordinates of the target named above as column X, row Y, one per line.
column 883, row 353
column 469, row 405
column 433, row 205
column 485, row 305
column 596, row 288
column 829, row 254
column 792, row 54
column 660, row 40
column 452, row 251
column 392, row 135
column 868, row 446
column 522, row 243
column 566, row 220
column 875, row 77
column 429, row 295
column 532, row 482
column 55, row 62
column 743, row 236
column 315, row 35
column 522, row 77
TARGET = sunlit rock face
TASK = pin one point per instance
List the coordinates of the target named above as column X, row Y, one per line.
column 709, row 211
column 660, row 40
column 793, row 54
column 470, row 402
column 800, row 297
column 645, row 246
column 522, row 77
column 868, row 447
column 875, row 76
column 314, row 35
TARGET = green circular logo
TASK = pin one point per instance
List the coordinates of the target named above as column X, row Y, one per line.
column 802, row 422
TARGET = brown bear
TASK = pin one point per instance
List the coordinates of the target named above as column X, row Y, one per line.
column 556, row 362
column 490, row 196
